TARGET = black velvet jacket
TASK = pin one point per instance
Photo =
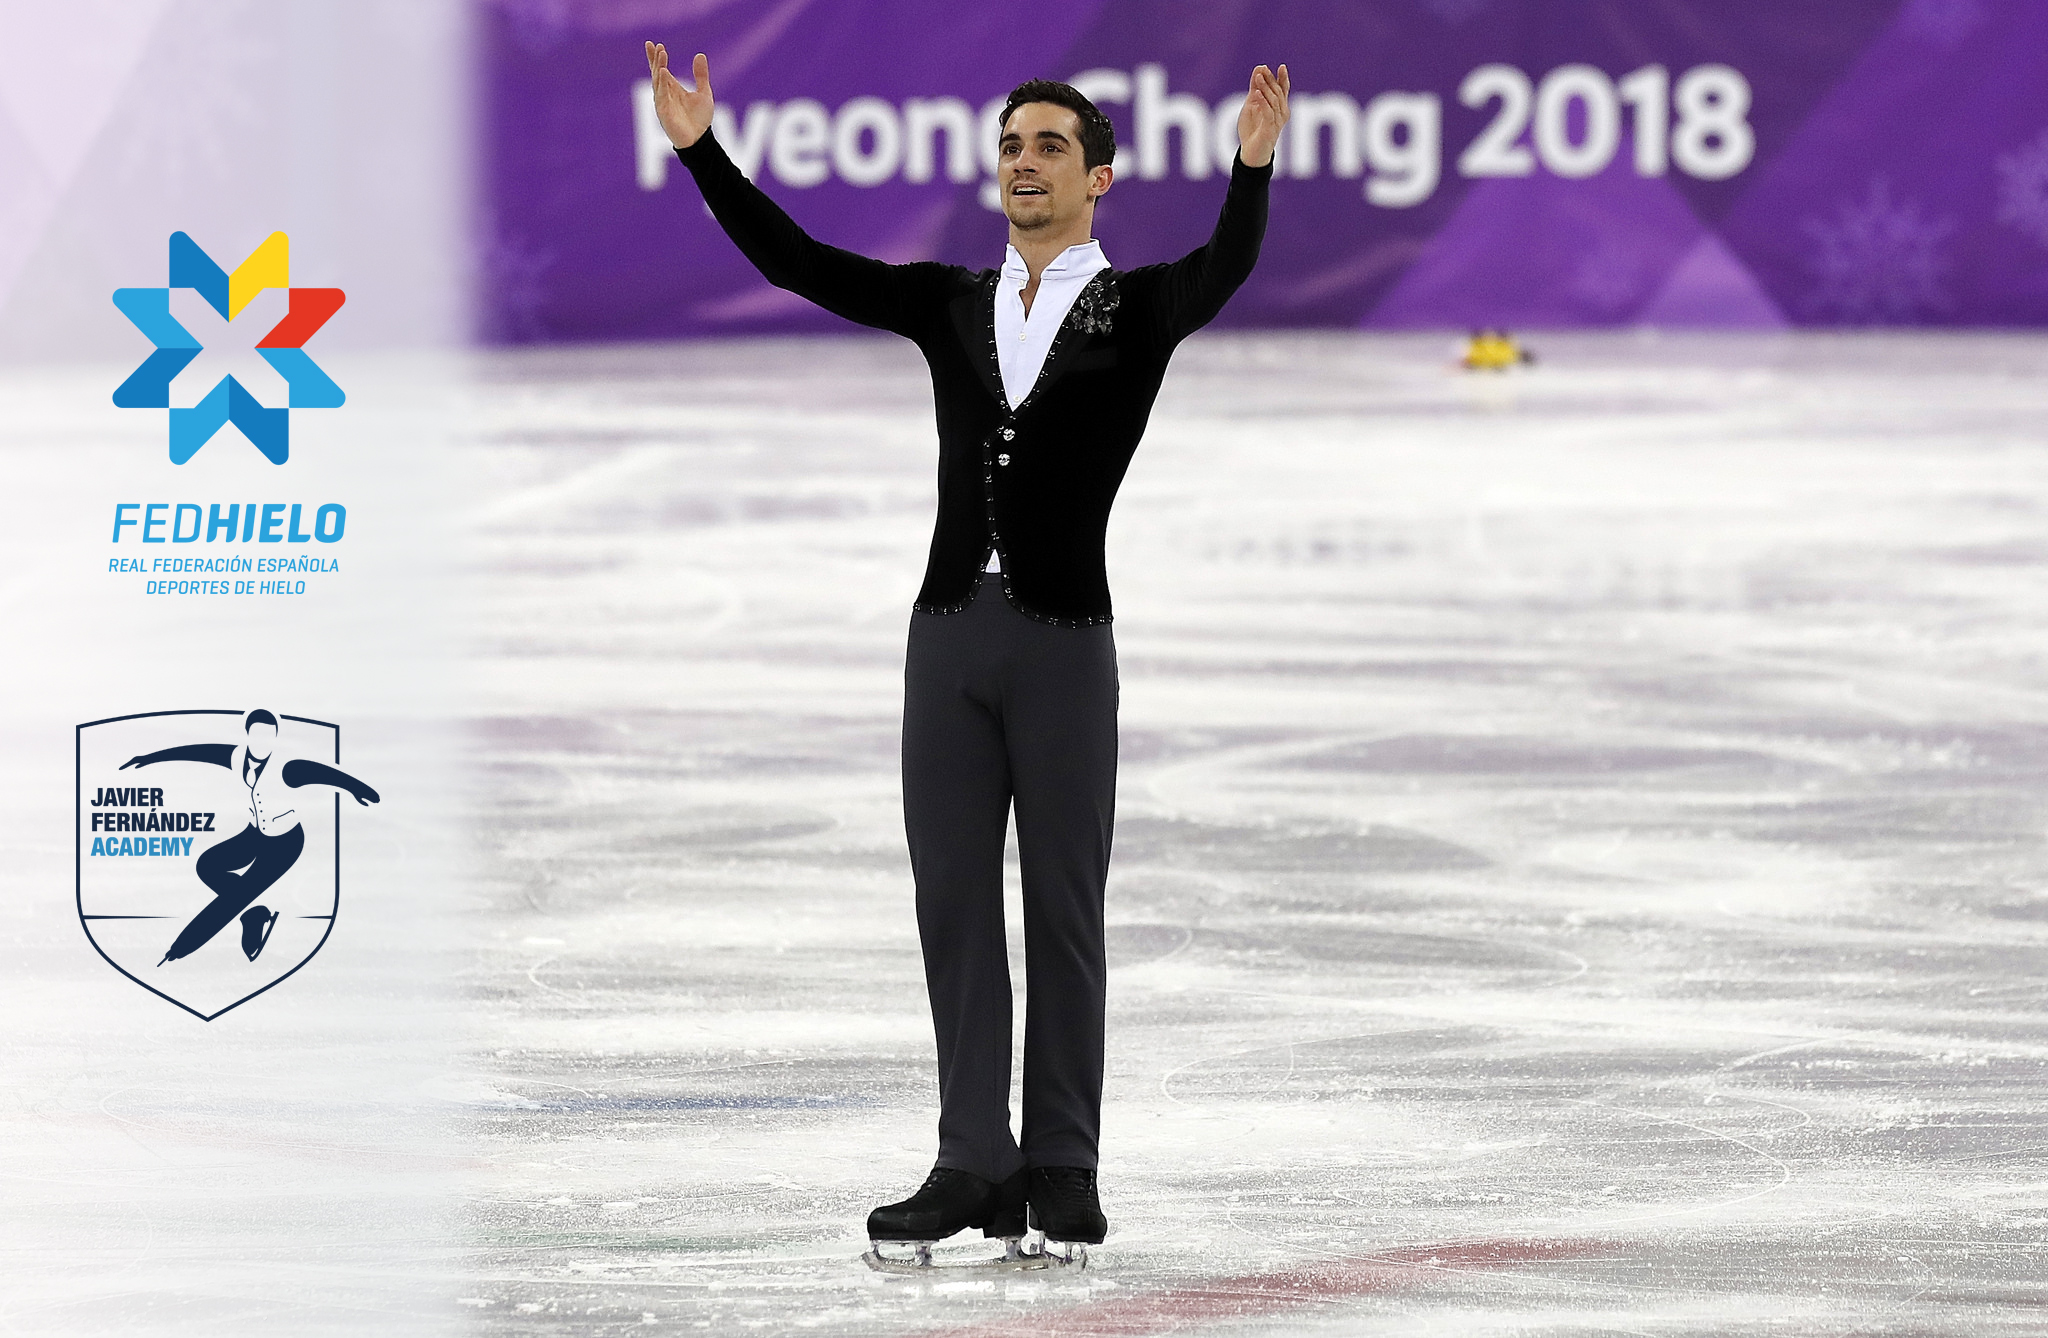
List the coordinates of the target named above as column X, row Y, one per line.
column 1034, row 481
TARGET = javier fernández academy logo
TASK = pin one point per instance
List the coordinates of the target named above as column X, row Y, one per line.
column 209, row 848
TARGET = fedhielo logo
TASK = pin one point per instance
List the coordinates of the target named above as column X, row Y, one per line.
column 149, row 387
column 209, row 867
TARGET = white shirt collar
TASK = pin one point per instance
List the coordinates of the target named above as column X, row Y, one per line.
column 1080, row 260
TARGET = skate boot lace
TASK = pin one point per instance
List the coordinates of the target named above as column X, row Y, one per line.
column 940, row 1175
column 1064, row 1180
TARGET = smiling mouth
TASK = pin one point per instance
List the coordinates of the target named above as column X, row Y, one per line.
column 1023, row 188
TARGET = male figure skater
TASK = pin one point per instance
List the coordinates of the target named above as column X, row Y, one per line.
column 1044, row 373
column 241, row 868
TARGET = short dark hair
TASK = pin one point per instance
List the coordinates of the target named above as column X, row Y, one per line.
column 259, row 716
column 1098, row 136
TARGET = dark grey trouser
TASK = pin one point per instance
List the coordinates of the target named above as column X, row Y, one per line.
column 997, row 706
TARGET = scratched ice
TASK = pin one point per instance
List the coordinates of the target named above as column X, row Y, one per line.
column 1579, row 866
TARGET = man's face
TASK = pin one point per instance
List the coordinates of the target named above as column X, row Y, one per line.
column 262, row 738
column 1040, row 169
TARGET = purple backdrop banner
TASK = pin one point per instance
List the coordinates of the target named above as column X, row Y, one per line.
column 1451, row 163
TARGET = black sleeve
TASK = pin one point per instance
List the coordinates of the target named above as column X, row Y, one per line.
column 865, row 290
column 218, row 754
column 1197, row 285
column 299, row 772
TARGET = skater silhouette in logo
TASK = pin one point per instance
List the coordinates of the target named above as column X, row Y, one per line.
column 239, row 869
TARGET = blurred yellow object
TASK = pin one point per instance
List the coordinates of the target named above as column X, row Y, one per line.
column 1493, row 351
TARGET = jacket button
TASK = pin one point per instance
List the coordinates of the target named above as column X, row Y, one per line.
column 1009, row 434
column 1003, row 459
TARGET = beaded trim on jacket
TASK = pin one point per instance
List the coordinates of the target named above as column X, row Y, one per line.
column 1090, row 314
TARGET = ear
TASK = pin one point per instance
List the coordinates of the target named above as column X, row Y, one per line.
column 1099, row 179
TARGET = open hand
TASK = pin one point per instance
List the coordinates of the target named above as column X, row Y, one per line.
column 684, row 109
column 1258, row 125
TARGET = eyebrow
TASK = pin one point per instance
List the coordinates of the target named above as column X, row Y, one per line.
column 1009, row 135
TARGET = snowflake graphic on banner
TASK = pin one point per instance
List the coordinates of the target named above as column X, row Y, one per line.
column 1455, row 11
column 1944, row 22
column 2023, row 188
column 518, row 270
column 1878, row 260
column 1611, row 276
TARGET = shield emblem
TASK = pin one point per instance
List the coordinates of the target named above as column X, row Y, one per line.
column 202, row 877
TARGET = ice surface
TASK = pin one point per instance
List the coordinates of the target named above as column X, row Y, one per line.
column 1579, row 871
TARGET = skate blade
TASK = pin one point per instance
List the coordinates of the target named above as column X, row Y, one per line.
column 1021, row 1254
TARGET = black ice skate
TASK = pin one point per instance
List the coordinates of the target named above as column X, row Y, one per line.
column 949, row 1202
column 1064, row 1215
column 257, row 922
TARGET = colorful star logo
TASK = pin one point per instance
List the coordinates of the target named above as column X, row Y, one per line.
column 149, row 387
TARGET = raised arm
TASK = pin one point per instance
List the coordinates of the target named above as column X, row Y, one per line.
column 215, row 754
column 854, row 286
column 299, row 772
column 1199, row 283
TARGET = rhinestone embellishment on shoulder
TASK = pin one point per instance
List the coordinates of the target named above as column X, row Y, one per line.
column 1094, row 310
